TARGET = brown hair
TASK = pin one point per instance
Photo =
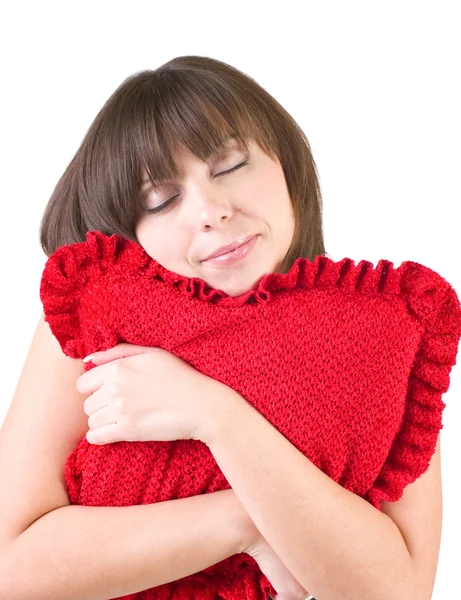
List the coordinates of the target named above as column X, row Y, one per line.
column 196, row 101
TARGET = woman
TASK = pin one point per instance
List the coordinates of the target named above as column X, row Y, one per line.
column 190, row 491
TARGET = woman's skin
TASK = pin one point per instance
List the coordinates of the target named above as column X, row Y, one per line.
column 213, row 210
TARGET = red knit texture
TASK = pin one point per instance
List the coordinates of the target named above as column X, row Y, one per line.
column 349, row 362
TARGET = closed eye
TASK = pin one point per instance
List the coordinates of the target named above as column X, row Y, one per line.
column 158, row 209
column 245, row 162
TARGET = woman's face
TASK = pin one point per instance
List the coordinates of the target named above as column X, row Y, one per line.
column 212, row 210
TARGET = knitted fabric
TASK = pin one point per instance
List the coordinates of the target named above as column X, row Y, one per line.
column 349, row 362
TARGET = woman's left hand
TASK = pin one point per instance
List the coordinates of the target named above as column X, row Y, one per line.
column 142, row 393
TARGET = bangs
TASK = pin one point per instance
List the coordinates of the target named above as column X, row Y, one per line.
column 191, row 113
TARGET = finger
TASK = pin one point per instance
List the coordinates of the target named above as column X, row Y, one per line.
column 102, row 417
column 90, row 381
column 96, row 401
column 122, row 350
column 107, row 434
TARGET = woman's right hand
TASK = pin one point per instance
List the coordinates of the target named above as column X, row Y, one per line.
column 286, row 586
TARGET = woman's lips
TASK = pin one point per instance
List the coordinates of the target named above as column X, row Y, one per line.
column 234, row 255
column 229, row 247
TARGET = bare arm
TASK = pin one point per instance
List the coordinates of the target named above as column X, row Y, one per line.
column 95, row 553
column 333, row 542
column 50, row 549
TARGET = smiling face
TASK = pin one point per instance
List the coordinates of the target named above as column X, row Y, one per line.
column 211, row 208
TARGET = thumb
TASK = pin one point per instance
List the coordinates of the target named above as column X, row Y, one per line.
column 122, row 350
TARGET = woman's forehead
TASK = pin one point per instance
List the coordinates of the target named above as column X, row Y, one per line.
column 231, row 143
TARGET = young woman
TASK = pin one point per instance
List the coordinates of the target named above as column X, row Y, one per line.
column 300, row 455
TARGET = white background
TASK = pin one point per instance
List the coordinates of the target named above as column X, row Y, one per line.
column 373, row 85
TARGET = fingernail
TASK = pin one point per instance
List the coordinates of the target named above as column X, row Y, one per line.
column 89, row 357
